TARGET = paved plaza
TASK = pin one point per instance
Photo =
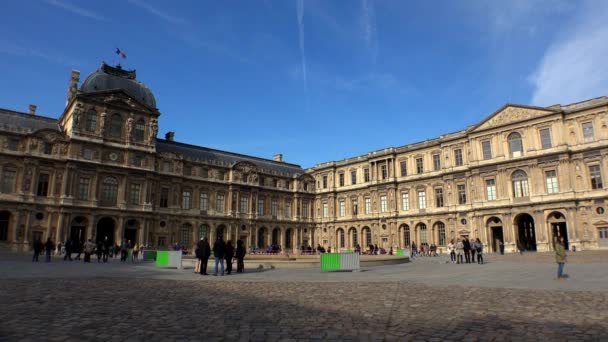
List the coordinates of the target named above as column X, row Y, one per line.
column 426, row 300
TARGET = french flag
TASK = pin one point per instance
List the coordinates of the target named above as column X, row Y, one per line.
column 120, row 53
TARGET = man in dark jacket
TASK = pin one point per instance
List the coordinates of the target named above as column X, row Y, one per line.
column 38, row 246
column 49, row 246
column 240, row 256
column 204, row 251
column 219, row 251
column 467, row 250
column 68, row 250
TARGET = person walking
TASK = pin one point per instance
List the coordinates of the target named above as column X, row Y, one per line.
column 89, row 247
column 501, row 246
column 240, row 256
column 473, row 250
column 105, row 251
column 123, row 250
column 467, row 249
column 219, row 251
column 205, row 254
column 38, row 247
column 479, row 250
column 68, row 250
column 560, row 258
column 452, row 251
column 99, row 251
column 49, row 246
column 459, row 251
column 228, row 256
column 78, row 245
column 197, row 254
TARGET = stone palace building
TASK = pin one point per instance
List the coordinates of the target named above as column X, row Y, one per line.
column 521, row 176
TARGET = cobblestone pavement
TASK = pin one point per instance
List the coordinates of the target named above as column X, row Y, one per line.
column 419, row 301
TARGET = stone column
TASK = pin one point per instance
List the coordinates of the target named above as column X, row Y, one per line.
column 282, row 238
column 91, row 232
column 60, row 229
column 15, row 227
column 26, row 231
column 120, row 230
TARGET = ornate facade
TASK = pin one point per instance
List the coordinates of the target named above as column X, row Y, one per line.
column 522, row 176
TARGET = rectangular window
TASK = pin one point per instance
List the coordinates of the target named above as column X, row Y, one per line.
column 366, row 175
column 261, row 207
column 596, row 177
column 325, row 210
column 134, row 191
column 421, row 199
column 204, row 201
column 221, row 175
column 588, row 131
column 439, row 197
column 219, row 203
column 436, row 162
column 486, row 147
column 8, row 181
column 287, row 209
column 204, row 173
column 355, row 207
column 83, row 188
column 305, row 209
column 87, row 154
column 368, row 205
column 419, row 166
column 353, row 177
column 403, row 167
column 462, row 194
column 244, row 204
column 551, row 177
column 164, row 197
column 187, row 170
column 545, row 138
column 167, row 167
column 383, row 171
column 13, row 144
column 342, row 208
column 383, row 205
column 341, row 179
column 91, row 124
column 458, row 157
column 274, row 208
column 324, row 182
column 43, row 185
column 186, row 195
column 491, row 189
column 405, row 201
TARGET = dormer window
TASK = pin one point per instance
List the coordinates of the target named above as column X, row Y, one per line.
column 140, row 128
column 116, row 126
column 91, row 121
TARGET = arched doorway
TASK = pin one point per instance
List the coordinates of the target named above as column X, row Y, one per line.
column 439, row 227
column 525, row 232
column 559, row 228
column 407, row 240
column 220, row 232
column 131, row 228
column 262, row 238
column 352, row 237
column 494, row 224
column 184, row 235
column 105, row 230
column 5, row 218
column 367, row 235
column 423, row 236
column 340, row 242
column 78, row 229
column 288, row 238
column 276, row 234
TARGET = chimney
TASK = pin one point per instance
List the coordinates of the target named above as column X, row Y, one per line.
column 33, row 109
column 73, row 88
column 278, row 158
column 169, row 136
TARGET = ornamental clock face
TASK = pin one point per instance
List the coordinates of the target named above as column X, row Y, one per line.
column 113, row 156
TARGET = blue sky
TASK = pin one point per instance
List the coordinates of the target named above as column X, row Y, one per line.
column 316, row 80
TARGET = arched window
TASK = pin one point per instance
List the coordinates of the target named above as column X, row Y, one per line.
column 423, row 238
column 340, row 238
column 91, row 121
column 441, row 231
column 406, row 236
column 116, row 126
column 515, row 145
column 109, row 191
column 140, row 128
column 202, row 231
column 368, row 236
column 520, row 184
column 184, row 236
column 353, row 236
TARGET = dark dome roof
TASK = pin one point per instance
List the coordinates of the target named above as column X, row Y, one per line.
column 112, row 78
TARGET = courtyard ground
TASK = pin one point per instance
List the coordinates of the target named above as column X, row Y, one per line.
column 508, row 298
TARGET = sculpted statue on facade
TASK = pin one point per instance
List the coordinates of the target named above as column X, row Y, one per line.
column 77, row 116
column 129, row 126
column 102, row 122
column 153, row 129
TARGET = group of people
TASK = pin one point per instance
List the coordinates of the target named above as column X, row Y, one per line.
column 464, row 250
column 222, row 251
column 424, row 250
column 103, row 249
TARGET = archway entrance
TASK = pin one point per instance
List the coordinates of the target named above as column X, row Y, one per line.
column 526, row 232
column 288, row 239
column 352, row 237
column 262, row 238
column 130, row 235
column 559, row 228
column 5, row 218
column 78, row 229
column 494, row 224
column 105, row 231
column 275, row 236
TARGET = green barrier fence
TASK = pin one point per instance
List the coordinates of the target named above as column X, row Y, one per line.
column 400, row 252
column 162, row 259
column 330, row 262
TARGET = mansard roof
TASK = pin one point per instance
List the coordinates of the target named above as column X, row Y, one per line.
column 227, row 159
column 25, row 123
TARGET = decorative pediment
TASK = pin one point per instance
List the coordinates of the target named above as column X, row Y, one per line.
column 117, row 98
column 510, row 114
column 49, row 136
column 600, row 223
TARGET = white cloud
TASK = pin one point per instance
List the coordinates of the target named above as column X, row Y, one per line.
column 171, row 19
column 369, row 28
column 300, row 15
column 19, row 50
column 75, row 9
column 574, row 67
